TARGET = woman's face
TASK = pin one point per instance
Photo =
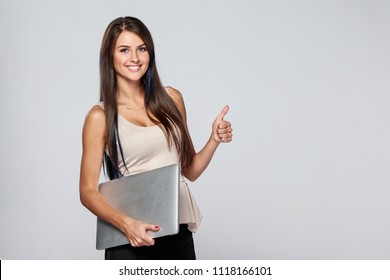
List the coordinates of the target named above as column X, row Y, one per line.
column 131, row 57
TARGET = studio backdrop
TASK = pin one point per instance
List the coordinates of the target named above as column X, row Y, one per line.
column 307, row 175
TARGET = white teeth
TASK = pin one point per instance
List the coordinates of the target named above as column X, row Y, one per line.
column 134, row 68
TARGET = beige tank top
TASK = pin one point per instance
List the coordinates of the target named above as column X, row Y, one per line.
column 146, row 148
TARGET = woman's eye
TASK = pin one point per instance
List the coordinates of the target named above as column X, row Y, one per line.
column 142, row 49
column 124, row 50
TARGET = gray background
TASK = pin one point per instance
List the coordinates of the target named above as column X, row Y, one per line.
column 307, row 175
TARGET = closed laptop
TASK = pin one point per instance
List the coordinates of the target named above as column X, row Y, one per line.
column 151, row 196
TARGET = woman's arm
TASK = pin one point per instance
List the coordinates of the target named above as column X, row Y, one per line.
column 91, row 163
column 221, row 132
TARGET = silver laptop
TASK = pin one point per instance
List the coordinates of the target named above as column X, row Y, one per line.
column 151, row 196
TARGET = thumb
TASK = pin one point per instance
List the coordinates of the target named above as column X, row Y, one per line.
column 223, row 112
column 152, row 227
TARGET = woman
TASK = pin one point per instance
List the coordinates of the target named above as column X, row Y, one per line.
column 140, row 125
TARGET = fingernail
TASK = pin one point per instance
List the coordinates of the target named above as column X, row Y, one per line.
column 156, row 227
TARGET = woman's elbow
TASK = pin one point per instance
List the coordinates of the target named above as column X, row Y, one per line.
column 191, row 179
column 191, row 176
column 84, row 198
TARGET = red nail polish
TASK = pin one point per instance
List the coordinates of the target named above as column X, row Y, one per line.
column 157, row 227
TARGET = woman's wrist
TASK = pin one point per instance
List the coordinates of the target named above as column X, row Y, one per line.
column 123, row 222
column 213, row 141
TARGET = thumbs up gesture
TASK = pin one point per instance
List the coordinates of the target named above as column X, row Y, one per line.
column 221, row 129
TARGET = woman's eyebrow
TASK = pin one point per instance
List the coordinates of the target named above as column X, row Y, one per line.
column 126, row 46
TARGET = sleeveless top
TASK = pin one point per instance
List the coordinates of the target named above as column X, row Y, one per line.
column 146, row 148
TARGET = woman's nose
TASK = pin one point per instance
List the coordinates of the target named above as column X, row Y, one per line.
column 134, row 56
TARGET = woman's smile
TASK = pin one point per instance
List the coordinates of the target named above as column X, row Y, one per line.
column 134, row 68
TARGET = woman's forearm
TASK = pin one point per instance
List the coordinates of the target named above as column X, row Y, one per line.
column 201, row 160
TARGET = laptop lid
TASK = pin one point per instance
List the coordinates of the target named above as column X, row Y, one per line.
column 151, row 196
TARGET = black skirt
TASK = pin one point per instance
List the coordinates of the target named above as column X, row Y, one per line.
column 174, row 247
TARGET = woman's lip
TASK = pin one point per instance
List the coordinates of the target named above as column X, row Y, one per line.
column 133, row 68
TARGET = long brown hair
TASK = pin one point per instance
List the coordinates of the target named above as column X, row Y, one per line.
column 157, row 102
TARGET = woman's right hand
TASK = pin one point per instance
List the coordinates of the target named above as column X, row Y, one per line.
column 136, row 232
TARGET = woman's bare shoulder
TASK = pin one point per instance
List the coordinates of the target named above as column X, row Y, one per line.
column 176, row 95
column 96, row 116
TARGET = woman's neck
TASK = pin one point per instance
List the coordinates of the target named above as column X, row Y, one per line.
column 130, row 93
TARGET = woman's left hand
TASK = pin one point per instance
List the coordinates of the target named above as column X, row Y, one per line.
column 222, row 129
